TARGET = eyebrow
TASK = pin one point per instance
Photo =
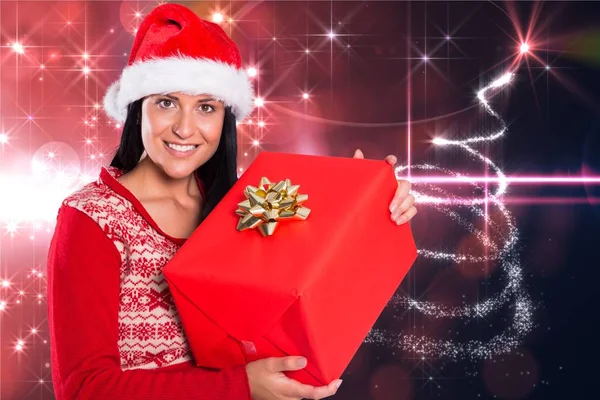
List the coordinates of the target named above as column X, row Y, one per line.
column 199, row 101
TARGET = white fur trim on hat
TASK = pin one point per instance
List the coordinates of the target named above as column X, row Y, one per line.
column 193, row 76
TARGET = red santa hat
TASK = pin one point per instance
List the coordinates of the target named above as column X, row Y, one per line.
column 177, row 51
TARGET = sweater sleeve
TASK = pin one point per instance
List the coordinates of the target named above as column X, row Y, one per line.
column 83, row 305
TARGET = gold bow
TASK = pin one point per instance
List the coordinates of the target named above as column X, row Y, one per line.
column 270, row 203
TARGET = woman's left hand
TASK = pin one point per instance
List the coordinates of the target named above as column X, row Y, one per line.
column 402, row 207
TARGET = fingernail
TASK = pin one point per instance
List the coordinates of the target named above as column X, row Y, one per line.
column 301, row 362
column 338, row 384
column 393, row 207
column 400, row 220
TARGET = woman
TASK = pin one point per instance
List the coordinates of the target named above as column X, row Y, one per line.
column 115, row 332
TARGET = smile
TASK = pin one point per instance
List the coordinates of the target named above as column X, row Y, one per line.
column 180, row 150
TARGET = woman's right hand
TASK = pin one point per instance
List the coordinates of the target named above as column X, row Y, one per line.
column 268, row 382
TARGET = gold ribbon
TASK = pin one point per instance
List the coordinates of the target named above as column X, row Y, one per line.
column 270, row 203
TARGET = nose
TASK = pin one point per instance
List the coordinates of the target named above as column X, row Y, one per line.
column 185, row 126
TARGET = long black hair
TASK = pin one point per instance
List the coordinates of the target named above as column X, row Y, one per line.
column 218, row 174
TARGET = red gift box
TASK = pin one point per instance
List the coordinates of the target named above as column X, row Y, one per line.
column 314, row 288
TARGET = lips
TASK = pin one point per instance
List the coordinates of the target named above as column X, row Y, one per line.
column 180, row 147
column 180, row 151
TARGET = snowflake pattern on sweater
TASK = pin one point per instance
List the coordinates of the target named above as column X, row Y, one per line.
column 150, row 330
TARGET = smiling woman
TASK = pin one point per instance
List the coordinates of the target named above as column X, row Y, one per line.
column 115, row 331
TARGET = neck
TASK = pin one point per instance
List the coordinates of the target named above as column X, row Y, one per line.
column 154, row 183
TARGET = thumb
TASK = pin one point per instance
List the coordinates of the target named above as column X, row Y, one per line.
column 292, row 363
column 358, row 154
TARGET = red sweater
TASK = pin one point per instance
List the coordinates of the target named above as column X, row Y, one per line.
column 114, row 330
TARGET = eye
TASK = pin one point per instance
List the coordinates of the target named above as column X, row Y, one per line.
column 207, row 108
column 164, row 103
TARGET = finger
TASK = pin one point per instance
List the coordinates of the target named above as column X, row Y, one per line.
column 334, row 386
column 358, row 154
column 301, row 390
column 407, row 216
column 401, row 192
column 407, row 203
column 391, row 159
column 403, row 207
column 279, row 364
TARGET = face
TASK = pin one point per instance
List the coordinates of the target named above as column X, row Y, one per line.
column 181, row 132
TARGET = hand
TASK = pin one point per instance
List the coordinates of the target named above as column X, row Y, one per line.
column 402, row 206
column 268, row 382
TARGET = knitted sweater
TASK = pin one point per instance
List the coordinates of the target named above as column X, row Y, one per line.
column 115, row 332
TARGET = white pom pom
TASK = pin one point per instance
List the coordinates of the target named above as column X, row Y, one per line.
column 110, row 102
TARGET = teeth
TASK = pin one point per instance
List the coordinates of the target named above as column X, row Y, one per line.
column 181, row 148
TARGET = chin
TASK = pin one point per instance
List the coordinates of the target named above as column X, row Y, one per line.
column 179, row 170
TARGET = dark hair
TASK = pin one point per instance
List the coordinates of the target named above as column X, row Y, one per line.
column 218, row 174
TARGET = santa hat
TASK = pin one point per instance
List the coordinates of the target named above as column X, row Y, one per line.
column 176, row 51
